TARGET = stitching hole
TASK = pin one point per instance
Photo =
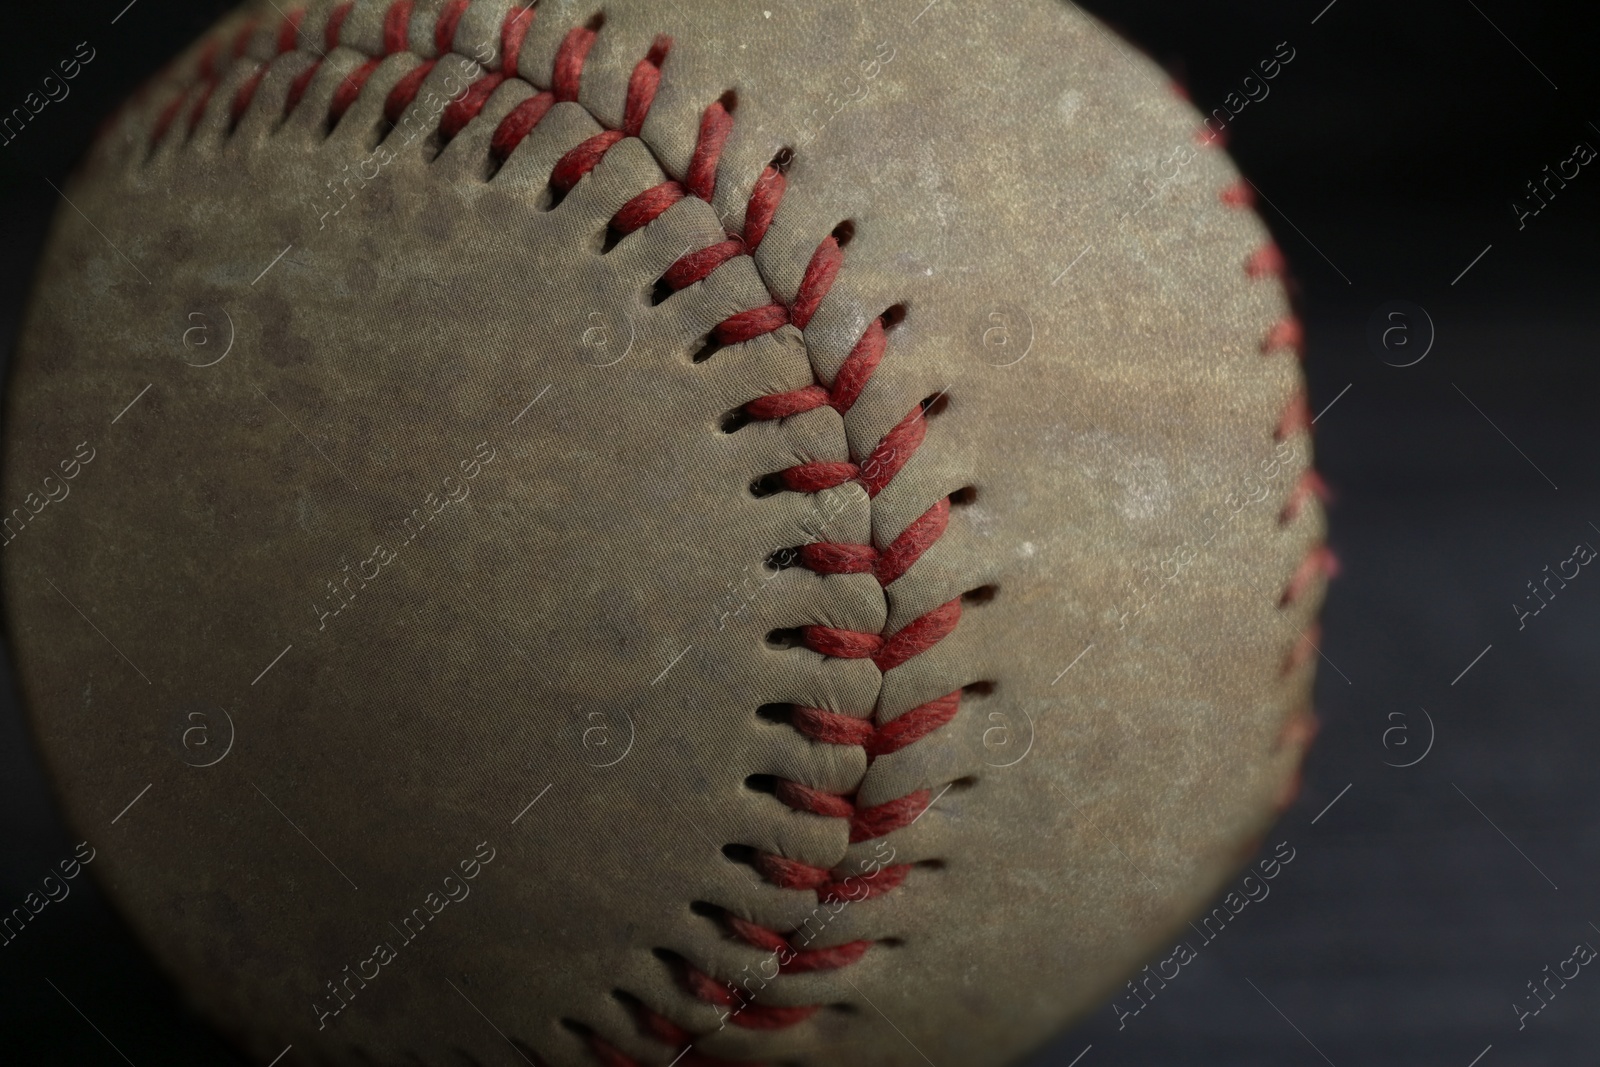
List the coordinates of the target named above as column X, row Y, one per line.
column 782, row 559
column 780, row 714
column 766, row 485
column 784, row 638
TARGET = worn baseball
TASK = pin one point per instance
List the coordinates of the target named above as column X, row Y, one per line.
column 657, row 533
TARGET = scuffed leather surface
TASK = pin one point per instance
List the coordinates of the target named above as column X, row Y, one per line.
column 614, row 530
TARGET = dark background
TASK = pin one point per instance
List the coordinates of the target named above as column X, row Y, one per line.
column 1390, row 151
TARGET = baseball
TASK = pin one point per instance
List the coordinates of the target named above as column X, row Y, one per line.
column 652, row 534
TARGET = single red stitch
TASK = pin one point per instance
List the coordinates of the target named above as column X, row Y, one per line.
column 841, row 644
column 405, row 90
column 645, row 208
column 916, row 539
column 818, row 279
column 396, row 26
column 914, row 725
column 241, row 43
column 642, row 86
column 582, row 159
column 660, row 1027
column 569, row 62
column 764, row 200
column 200, row 105
column 831, row 728
column 859, row 365
column 894, row 451
column 698, row 265
column 349, row 89
column 747, row 325
column 608, row 1054
column 1298, row 732
column 748, row 1014
column 701, row 177
column 794, row 960
column 518, row 124
column 804, row 798
column 464, row 109
column 330, row 34
column 298, row 87
column 1268, row 259
column 1320, row 562
column 886, row 818
column 1285, row 334
column 1310, row 485
column 289, row 31
column 792, row 874
column 919, row 635
column 168, row 114
column 245, row 96
column 444, row 31
column 1296, row 417
column 884, row 880
column 512, row 32
column 817, row 476
column 208, row 60
column 1303, row 649
column 794, row 402
column 829, row 558
column 1238, row 195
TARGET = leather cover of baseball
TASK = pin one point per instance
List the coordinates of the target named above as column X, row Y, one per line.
column 598, row 534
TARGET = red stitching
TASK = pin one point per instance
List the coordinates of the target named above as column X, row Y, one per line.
column 512, row 32
column 396, row 24
column 1267, row 260
column 350, row 88
column 289, row 31
column 873, row 473
column 405, row 90
column 297, row 88
column 569, row 62
column 241, row 42
column 444, row 31
column 330, row 34
column 245, row 96
column 460, row 112
column 1238, row 195
column 515, row 126
column 1285, row 334
column 643, row 84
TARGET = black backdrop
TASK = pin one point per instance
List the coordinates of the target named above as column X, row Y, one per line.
column 1420, row 902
